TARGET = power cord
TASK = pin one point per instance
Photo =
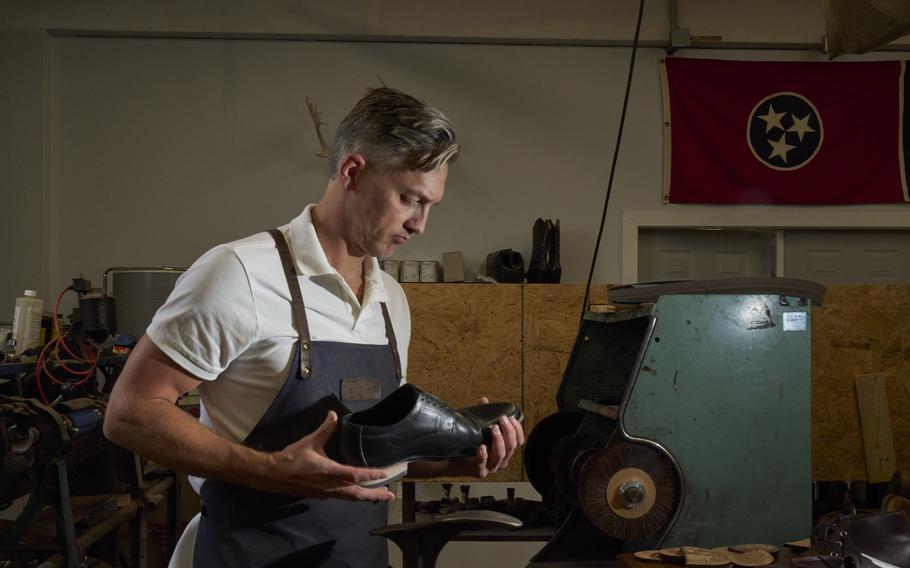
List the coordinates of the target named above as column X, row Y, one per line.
column 622, row 120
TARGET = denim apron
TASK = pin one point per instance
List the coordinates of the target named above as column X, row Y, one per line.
column 244, row 527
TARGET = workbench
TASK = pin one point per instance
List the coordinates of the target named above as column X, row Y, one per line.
column 781, row 560
column 627, row 560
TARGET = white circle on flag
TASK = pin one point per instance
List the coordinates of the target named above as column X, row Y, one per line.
column 784, row 131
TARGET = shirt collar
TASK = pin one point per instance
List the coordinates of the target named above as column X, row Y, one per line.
column 311, row 260
column 374, row 289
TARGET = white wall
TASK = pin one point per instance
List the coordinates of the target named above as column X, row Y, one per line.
column 175, row 145
column 24, row 192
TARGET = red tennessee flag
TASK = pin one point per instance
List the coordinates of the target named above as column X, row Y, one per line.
column 784, row 133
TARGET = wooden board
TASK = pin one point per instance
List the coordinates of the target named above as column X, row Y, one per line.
column 551, row 316
column 875, row 422
column 465, row 344
column 860, row 329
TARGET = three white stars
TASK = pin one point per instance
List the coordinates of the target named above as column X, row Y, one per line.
column 772, row 120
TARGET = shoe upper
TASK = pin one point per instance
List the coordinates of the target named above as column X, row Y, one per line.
column 488, row 414
column 407, row 425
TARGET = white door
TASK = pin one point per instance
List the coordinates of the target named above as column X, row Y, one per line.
column 704, row 254
column 848, row 256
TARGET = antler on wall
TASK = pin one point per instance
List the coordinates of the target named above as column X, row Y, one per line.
column 317, row 122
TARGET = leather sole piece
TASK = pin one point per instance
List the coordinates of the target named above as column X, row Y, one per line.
column 649, row 293
column 394, row 472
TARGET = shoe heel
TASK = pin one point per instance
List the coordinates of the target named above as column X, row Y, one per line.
column 393, row 472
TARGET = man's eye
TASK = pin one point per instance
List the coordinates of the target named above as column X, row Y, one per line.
column 408, row 201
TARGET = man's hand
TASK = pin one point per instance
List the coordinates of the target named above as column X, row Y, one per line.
column 507, row 438
column 303, row 469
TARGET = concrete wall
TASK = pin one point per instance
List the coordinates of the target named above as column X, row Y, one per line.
column 24, row 184
column 148, row 150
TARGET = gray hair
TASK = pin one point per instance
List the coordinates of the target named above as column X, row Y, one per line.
column 394, row 130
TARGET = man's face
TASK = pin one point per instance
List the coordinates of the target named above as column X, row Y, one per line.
column 391, row 206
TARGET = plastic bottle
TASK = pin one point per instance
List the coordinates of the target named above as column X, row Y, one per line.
column 27, row 321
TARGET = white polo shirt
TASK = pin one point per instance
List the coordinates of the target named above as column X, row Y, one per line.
column 229, row 321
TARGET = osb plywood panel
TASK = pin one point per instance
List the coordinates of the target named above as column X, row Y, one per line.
column 858, row 330
column 551, row 316
column 465, row 344
column 875, row 424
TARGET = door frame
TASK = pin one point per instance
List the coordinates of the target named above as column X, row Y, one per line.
column 749, row 217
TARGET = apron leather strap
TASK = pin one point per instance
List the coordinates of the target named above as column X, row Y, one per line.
column 305, row 368
column 390, row 334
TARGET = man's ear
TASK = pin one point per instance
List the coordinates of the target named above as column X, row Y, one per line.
column 350, row 168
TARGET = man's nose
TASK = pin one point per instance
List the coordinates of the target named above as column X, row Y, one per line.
column 417, row 222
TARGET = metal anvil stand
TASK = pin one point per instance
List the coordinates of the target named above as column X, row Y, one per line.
column 421, row 542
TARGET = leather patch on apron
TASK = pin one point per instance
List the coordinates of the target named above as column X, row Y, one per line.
column 361, row 389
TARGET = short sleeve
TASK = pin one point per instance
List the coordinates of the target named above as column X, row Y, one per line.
column 210, row 317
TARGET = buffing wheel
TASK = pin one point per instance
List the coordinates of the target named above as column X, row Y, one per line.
column 629, row 491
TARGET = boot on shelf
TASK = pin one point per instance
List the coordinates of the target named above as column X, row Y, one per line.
column 554, row 269
column 540, row 249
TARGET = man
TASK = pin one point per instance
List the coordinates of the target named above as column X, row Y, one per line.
column 272, row 329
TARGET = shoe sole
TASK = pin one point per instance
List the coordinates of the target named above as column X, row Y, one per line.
column 400, row 469
column 394, row 472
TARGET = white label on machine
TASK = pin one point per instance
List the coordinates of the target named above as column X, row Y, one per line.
column 795, row 321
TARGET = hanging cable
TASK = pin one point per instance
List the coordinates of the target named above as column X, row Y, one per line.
column 88, row 357
column 622, row 120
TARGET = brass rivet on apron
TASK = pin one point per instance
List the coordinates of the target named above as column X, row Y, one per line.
column 306, row 346
column 306, row 370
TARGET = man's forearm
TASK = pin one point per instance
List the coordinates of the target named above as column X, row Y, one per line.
column 161, row 431
column 141, row 416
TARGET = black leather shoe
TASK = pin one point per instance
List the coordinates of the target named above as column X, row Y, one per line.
column 488, row 414
column 506, row 266
column 410, row 425
column 540, row 250
column 554, row 268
